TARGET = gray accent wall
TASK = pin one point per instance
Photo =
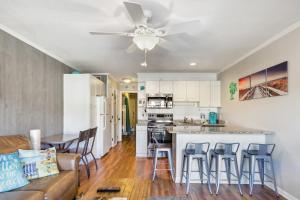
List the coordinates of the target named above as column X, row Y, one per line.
column 31, row 89
column 279, row 114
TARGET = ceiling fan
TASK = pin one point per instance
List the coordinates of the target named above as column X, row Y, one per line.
column 146, row 37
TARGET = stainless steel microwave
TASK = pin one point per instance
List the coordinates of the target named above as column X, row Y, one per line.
column 160, row 101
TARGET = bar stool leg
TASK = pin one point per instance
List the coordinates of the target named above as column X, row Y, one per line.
column 171, row 164
column 208, row 174
column 218, row 172
column 155, row 164
column 242, row 167
column 200, row 166
column 238, row 175
column 252, row 173
column 183, row 168
column 228, row 170
column 189, row 170
column 273, row 176
column 261, row 167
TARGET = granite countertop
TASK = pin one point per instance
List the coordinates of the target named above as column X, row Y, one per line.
column 215, row 130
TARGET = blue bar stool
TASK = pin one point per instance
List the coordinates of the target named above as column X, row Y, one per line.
column 162, row 148
column 226, row 152
column 260, row 153
column 195, row 151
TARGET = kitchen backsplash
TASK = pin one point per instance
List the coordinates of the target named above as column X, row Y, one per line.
column 180, row 110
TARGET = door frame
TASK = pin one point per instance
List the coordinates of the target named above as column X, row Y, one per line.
column 120, row 116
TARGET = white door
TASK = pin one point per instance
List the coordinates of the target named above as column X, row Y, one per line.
column 166, row 87
column 179, row 92
column 192, row 91
column 204, row 93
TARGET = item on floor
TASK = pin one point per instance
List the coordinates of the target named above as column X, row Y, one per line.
column 81, row 196
column 109, row 189
column 168, row 198
column 38, row 163
column 11, row 173
column 35, row 138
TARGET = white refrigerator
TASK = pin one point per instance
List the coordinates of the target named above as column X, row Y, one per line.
column 103, row 136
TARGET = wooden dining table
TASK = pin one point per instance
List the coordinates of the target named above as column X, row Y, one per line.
column 61, row 142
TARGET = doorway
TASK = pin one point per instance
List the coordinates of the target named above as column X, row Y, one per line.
column 129, row 113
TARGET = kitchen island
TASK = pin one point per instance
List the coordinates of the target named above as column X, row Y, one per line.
column 181, row 135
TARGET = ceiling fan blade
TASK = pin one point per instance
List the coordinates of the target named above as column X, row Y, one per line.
column 132, row 48
column 113, row 33
column 136, row 13
column 165, row 44
column 184, row 27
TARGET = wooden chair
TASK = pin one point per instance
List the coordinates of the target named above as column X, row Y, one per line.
column 81, row 148
column 89, row 150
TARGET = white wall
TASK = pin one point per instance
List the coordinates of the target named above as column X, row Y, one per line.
column 279, row 114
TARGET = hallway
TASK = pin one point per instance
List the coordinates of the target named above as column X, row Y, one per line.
column 120, row 168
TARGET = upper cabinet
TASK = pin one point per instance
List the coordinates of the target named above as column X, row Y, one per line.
column 204, row 93
column 215, row 96
column 166, row 87
column 152, row 87
column 192, row 91
column 179, row 91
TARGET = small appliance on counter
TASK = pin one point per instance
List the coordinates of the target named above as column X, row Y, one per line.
column 213, row 117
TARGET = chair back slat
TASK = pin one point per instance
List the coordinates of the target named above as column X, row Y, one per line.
column 260, row 149
column 91, row 139
column 83, row 135
column 226, row 148
column 197, row 148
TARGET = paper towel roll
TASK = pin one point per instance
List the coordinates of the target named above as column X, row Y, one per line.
column 35, row 138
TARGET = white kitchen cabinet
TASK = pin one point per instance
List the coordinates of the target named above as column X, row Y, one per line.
column 141, row 141
column 179, row 92
column 166, row 87
column 204, row 93
column 215, row 98
column 152, row 87
column 192, row 91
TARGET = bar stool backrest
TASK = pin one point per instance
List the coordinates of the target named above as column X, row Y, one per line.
column 260, row 149
column 197, row 148
column 226, row 148
column 91, row 140
column 82, row 139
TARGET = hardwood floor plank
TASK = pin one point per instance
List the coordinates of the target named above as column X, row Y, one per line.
column 120, row 168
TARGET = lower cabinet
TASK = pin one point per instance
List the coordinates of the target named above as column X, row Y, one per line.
column 141, row 141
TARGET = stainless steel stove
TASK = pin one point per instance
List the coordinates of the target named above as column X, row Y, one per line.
column 157, row 124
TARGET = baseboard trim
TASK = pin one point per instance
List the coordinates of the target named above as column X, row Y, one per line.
column 282, row 192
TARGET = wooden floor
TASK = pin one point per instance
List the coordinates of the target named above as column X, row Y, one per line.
column 122, row 169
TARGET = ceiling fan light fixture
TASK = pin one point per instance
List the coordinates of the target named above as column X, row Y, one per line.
column 144, row 64
column 193, row 64
column 146, row 42
column 126, row 80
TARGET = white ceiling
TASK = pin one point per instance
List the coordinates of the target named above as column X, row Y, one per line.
column 229, row 29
